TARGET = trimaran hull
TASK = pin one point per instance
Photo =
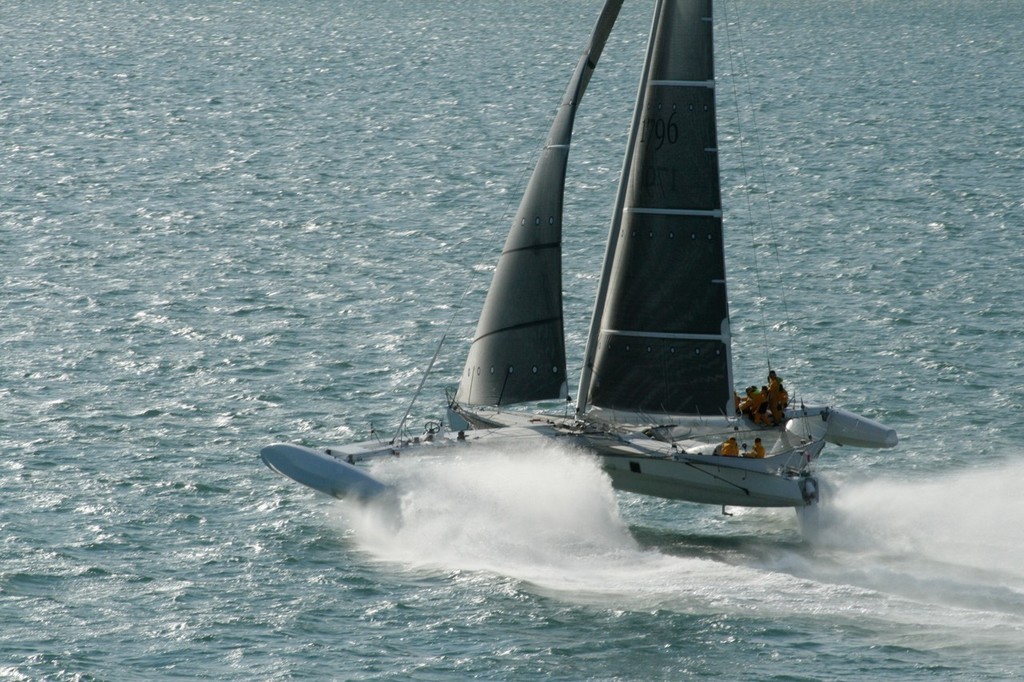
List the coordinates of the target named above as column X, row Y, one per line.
column 657, row 360
column 642, row 461
column 708, row 479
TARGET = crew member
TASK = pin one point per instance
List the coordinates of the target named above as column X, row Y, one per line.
column 762, row 408
column 751, row 405
column 778, row 398
column 730, row 448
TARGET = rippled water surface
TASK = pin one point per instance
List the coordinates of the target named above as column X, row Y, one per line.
column 226, row 224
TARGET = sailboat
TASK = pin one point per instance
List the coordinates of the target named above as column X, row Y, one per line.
column 656, row 402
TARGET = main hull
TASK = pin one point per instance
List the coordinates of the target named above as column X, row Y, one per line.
column 637, row 460
column 678, row 460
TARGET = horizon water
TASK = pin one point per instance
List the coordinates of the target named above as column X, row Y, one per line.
column 232, row 224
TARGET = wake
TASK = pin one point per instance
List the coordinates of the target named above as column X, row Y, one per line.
column 544, row 516
column 955, row 539
column 947, row 550
column 504, row 511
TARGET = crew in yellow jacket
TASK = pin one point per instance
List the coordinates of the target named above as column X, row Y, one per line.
column 730, row 448
column 752, row 404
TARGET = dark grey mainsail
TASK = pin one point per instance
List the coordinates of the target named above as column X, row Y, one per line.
column 659, row 339
column 518, row 351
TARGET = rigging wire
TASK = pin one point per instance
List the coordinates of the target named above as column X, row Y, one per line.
column 430, row 366
column 758, row 153
column 517, row 190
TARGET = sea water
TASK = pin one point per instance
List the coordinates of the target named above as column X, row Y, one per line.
column 227, row 224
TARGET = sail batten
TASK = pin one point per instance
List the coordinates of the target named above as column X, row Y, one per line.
column 525, row 325
column 533, row 247
column 715, row 213
column 660, row 335
column 683, row 84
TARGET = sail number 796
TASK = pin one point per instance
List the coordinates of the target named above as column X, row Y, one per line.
column 660, row 130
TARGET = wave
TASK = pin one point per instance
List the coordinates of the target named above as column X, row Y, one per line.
column 946, row 551
column 954, row 538
column 500, row 510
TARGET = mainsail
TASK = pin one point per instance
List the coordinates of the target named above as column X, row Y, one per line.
column 659, row 339
column 518, row 351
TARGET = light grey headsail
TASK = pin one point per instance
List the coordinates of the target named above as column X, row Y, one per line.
column 659, row 339
column 518, row 351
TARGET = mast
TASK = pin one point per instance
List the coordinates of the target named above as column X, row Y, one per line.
column 518, row 350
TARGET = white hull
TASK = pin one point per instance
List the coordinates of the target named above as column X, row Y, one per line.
column 678, row 461
column 684, row 468
column 322, row 471
column 707, row 479
column 708, row 482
